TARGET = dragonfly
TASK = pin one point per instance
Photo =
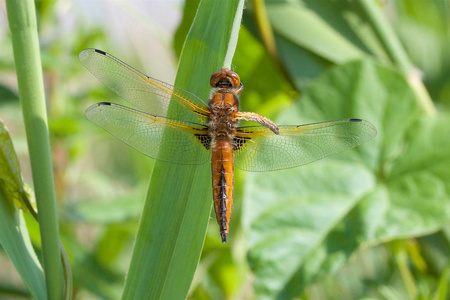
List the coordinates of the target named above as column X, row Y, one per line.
column 175, row 126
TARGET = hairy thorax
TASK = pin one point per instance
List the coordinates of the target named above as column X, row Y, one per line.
column 222, row 121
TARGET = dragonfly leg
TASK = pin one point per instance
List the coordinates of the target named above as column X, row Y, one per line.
column 257, row 118
column 240, row 88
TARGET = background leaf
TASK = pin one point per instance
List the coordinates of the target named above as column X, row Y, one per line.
column 372, row 194
column 101, row 183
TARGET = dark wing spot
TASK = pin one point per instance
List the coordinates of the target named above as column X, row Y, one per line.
column 205, row 139
column 100, row 51
column 355, row 120
column 239, row 141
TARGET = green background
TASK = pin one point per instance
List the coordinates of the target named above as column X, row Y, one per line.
column 372, row 222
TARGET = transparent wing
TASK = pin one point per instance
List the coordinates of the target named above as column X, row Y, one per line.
column 148, row 94
column 158, row 137
column 259, row 149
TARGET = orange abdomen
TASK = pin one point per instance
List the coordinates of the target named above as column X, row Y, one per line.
column 222, row 181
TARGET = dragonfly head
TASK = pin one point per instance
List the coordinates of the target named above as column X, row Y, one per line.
column 225, row 79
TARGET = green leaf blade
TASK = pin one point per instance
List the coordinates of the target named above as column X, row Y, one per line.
column 14, row 236
column 178, row 205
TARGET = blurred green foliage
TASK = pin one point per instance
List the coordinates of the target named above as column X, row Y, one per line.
column 371, row 223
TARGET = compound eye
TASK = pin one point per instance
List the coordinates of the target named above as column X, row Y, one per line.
column 216, row 77
column 235, row 80
column 225, row 78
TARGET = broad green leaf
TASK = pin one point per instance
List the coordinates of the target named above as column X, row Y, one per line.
column 304, row 223
column 13, row 231
column 178, row 204
column 366, row 273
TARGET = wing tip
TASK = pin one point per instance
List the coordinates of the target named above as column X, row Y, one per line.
column 83, row 56
column 367, row 124
column 93, row 107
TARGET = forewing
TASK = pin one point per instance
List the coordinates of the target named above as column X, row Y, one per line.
column 148, row 94
column 157, row 137
column 259, row 149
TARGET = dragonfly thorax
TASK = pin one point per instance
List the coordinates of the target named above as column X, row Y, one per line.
column 222, row 119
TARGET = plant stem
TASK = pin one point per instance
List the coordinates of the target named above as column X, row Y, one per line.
column 22, row 21
column 397, row 54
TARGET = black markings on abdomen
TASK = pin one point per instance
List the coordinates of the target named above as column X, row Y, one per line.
column 223, row 199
